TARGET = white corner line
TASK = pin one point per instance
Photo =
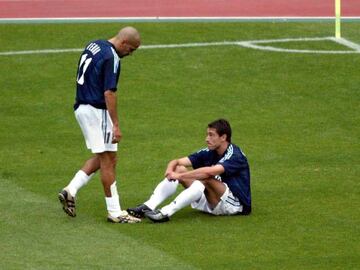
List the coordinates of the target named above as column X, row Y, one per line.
column 347, row 43
column 256, row 44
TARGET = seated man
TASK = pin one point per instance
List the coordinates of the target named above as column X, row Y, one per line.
column 219, row 183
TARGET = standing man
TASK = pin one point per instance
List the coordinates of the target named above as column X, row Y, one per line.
column 96, row 112
column 219, row 183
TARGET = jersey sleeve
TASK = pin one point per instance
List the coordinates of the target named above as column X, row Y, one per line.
column 233, row 165
column 111, row 69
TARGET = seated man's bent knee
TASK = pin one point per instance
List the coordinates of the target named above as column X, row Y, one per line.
column 214, row 190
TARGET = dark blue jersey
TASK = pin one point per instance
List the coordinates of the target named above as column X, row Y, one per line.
column 236, row 174
column 98, row 71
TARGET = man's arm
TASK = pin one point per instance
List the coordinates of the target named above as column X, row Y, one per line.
column 111, row 105
column 199, row 174
column 172, row 165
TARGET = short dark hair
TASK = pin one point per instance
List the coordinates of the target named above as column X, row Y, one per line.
column 222, row 127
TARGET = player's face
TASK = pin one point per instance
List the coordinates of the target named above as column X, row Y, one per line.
column 213, row 140
column 128, row 48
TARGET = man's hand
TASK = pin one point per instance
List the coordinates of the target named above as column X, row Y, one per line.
column 117, row 135
column 172, row 176
column 168, row 171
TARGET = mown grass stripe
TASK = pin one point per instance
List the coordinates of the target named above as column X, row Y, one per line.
column 28, row 218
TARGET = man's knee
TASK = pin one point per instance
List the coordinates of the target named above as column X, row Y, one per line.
column 213, row 184
column 108, row 159
column 186, row 183
column 208, row 181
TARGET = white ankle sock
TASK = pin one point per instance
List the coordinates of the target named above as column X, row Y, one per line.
column 113, row 206
column 80, row 179
column 113, row 202
column 162, row 191
column 185, row 198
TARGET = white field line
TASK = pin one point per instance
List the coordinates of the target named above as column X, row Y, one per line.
column 347, row 43
column 287, row 40
column 254, row 44
column 40, row 51
column 190, row 45
column 165, row 46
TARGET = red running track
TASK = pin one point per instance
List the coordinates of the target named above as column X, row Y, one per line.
column 174, row 8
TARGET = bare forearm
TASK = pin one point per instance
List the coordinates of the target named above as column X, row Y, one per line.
column 111, row 105
column 200, row 174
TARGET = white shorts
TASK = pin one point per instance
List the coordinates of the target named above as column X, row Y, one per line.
column 228, row 205
column 96, row 126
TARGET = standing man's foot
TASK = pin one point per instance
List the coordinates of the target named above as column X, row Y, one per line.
column 68, row 202
column 123, row 218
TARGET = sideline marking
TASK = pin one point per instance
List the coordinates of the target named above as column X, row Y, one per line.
column 173, row 19
column 253, row 44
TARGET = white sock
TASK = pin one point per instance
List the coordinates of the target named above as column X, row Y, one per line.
column 113, row 206
column 80, row 179
column 113, row 202
column 162, row 191
column 185, row 198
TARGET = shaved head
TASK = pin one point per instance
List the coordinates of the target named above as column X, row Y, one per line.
column 130, row 34
column 126, row 41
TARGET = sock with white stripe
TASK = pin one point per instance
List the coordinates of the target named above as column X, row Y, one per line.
column 185, row 198
column 80, row 179
column 162, row 191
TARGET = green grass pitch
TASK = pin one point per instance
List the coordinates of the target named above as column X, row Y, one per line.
column 296, row 116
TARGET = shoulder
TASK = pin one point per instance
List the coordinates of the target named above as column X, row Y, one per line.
column 233, row 152
column 103, row 44
column 102, row 48
column 203, row 150
column 201, row 155
column 237, row 149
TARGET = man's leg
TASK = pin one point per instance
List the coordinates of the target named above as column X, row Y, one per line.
column 107, row 170
column 219, row 200
column 81, row 178
column 192, row 193
column 213, row 190
column 163, row 190
column 107, row 175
